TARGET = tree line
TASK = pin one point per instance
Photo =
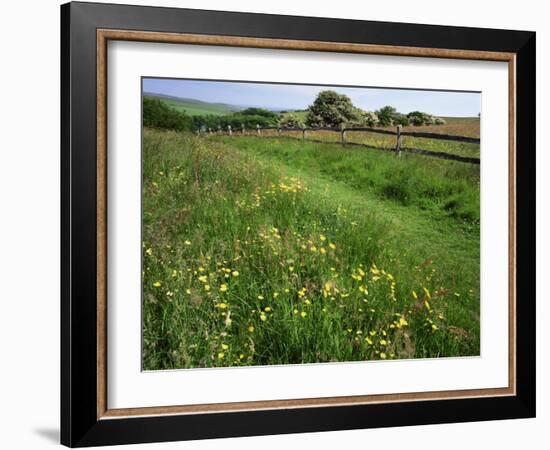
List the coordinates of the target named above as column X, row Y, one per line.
column 330, row 109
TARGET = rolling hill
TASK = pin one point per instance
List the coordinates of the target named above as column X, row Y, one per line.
column 195, row 107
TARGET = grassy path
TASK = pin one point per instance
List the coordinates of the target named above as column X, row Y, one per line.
column 424, row 237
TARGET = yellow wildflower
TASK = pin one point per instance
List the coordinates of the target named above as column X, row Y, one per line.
column 221, row 305
column 221, row 355
column 235, row 273
column 332, row 246
column 251, row 329
column 382, row 355
column 225, row 346
column 303, row 314
column 223, row 288
column 157, row 284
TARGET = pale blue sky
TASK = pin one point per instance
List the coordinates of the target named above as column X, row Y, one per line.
column 288, row 96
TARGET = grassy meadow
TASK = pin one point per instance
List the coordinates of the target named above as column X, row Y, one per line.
column 468, row 126
column 266, row 250
column 194, row 107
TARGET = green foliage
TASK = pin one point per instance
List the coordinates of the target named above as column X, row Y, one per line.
column 258, row 112
column 290, row 120
column 419, row 118
column 369, row 118
column 386, row 116
column 234, row 274
column 425, row 182
column 236, row 120
column 156, row 114
column 331, row 109
column 400, row 119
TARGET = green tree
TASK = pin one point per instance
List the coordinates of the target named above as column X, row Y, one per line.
column 258, row 112
column 157, row 114
column 290, row 120
column 331, row 109
column 386, row 116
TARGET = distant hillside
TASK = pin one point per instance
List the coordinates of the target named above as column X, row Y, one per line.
column 196, row 107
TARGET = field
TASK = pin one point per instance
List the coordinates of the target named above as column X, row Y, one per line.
column 389, row 142
column 455, row 126
column 195, row 107
column 260, row 250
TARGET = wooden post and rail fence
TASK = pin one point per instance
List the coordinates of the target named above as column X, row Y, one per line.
column 344, row 133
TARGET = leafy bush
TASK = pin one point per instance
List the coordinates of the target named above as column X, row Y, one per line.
column 388, row 116
column 331, row 109
column 364, row 119
column 236, row 120
column 419, row 118
column 258, row 112
column 370, row 118
column 400, row 119
column 157, row 114
column 290, row 120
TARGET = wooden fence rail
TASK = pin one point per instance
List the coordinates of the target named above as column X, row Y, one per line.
column 344, row 139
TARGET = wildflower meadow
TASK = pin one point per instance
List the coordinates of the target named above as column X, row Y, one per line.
column 265, row 250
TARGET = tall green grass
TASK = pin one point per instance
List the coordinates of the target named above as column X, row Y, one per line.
column 260, row 251
column 444, row 186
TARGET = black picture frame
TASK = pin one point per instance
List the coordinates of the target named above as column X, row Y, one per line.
column 80, row 425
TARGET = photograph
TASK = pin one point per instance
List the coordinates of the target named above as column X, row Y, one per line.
column 300, row 224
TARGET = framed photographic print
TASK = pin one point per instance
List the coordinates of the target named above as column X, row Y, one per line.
column 276, row 224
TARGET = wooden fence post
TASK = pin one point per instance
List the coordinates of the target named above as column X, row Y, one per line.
column 229, row 130
column 279, row 131
column 343, row 135
column 209, row 130
column 242, row 128
column 219, row 129
column 399, row 141
column 303, row 133
column 258, row 130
